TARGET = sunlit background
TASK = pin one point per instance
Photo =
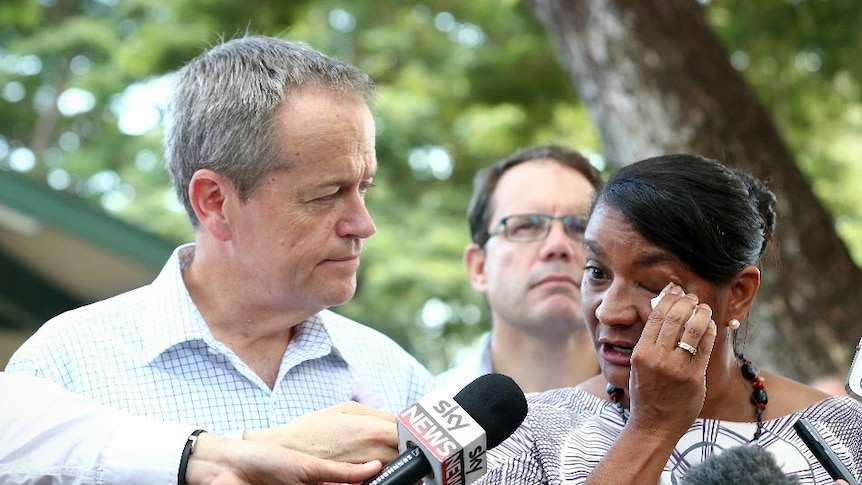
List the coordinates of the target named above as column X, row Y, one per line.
column 83, row 87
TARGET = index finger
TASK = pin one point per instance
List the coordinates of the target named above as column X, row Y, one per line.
column 320, row 470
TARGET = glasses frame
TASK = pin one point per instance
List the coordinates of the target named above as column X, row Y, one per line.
column 503, row 228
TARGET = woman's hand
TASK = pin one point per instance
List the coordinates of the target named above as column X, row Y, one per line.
column 667, row 386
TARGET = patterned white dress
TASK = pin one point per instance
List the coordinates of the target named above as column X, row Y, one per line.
column 568, row 431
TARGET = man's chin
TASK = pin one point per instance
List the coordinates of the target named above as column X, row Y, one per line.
column 339, row 296
column 566, row 312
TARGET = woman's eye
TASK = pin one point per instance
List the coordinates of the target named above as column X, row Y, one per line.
column 594, row 272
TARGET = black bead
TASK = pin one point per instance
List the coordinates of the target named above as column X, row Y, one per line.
column 749, row 371
column 615, row 393
column 759, row 396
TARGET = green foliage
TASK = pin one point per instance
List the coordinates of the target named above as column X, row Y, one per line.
column 800, row 57
column 459, row 82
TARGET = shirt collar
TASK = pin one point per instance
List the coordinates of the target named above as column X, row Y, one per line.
column 311, row 340
column 484, row 364
column 171, row 317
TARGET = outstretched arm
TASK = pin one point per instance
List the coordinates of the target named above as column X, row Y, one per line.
column 223, row 461
column 48, row 432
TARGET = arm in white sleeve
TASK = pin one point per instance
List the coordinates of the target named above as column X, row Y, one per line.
column 49, row 433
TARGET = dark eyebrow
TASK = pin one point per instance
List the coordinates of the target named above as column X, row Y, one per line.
column 647, row 260
column 655, row 258
column 594, row 247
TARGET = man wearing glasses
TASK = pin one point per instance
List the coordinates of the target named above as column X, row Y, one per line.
column 527, row 217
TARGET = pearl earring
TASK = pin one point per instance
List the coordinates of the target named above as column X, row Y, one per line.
column 733, row 324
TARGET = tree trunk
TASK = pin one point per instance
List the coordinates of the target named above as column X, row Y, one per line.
column 656, row 79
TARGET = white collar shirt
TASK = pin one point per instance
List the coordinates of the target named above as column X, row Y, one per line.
column 149, row 352
column 474, row 366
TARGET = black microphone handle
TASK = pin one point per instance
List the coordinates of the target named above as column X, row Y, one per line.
column 407, row 469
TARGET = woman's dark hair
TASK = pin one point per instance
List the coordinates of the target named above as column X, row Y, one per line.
column 714, row 219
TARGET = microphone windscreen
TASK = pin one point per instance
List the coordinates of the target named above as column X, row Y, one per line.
column 740, row 465
column 496, row 403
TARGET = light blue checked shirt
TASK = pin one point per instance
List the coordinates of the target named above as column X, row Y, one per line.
column 149, row 352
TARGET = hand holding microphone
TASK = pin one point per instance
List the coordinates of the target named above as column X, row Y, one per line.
column 363, row 434
column 444, row 439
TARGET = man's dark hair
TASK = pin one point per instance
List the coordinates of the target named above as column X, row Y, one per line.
column 486, row 180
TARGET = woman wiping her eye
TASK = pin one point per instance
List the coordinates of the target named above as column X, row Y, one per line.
column 675, row 387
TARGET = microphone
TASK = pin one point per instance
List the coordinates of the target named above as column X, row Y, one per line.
column 444, row 439
column 821, row 450
column 740, row 465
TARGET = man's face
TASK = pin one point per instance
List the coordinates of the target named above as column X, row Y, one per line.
column 534, row 285
column 299, row 236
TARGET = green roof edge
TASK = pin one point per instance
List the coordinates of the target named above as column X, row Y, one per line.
column 76, row 216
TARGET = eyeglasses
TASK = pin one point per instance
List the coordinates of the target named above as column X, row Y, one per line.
column 535, row 227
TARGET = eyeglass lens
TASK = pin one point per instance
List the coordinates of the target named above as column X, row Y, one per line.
column 528, row 227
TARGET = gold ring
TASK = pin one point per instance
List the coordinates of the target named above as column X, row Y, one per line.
column 687, row 347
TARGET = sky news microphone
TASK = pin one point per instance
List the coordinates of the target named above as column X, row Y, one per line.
column 444, row 439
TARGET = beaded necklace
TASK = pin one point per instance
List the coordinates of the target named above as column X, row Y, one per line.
column 759, row 398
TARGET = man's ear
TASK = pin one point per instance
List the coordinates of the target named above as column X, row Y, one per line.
column 743, row 288
column 209, row 192
column 474, row 261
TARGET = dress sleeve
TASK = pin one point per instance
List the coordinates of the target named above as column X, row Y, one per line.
column 516, row 460
column 842, row 416
column 532, row 454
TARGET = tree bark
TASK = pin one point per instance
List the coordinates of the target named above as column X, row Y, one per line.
column 656, row 79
